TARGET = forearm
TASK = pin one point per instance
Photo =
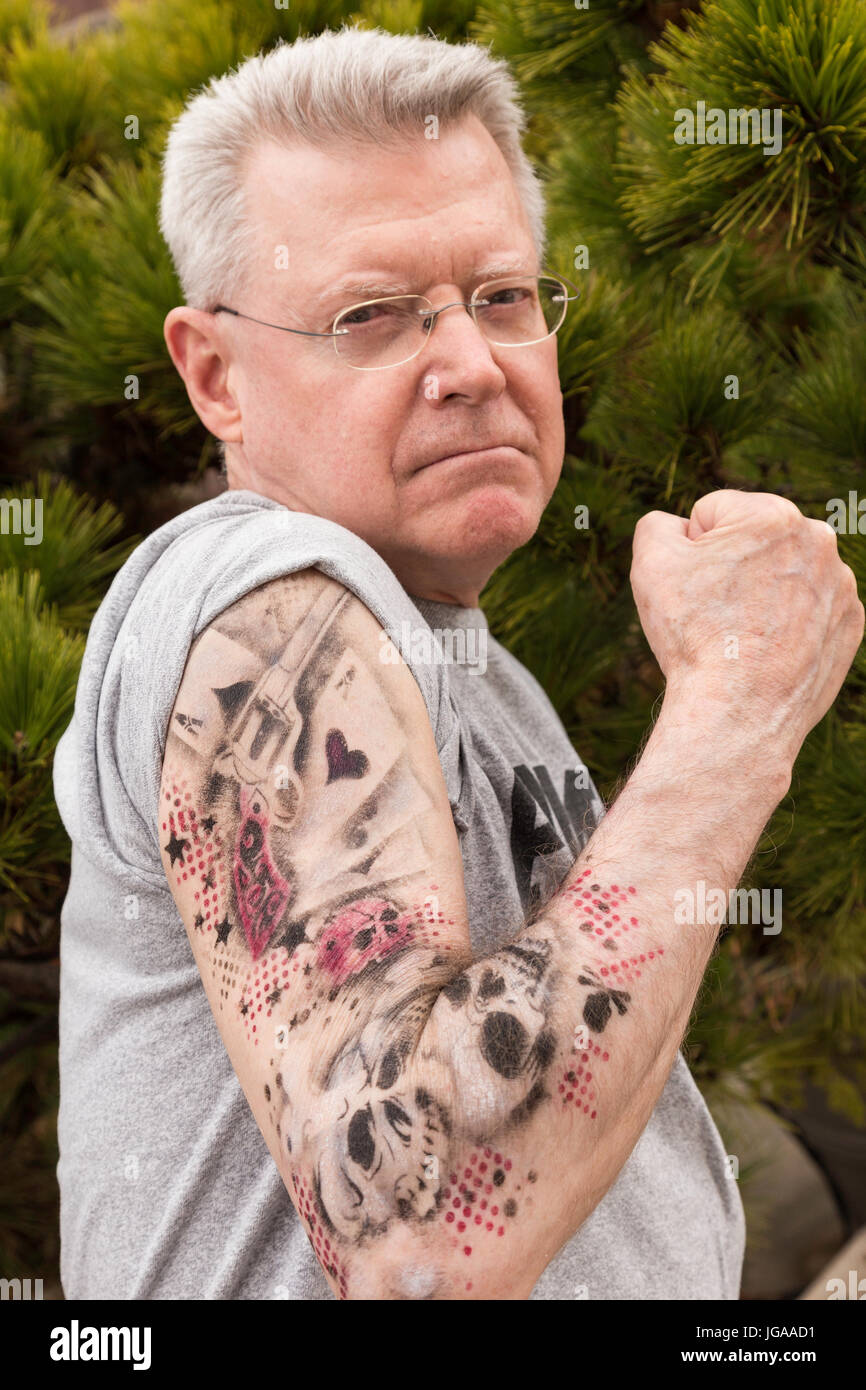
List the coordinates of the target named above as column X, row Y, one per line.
column 692, row 811
column 557, row 1048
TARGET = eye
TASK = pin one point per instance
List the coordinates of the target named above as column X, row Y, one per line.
column 362, row 1148
column 511, row 296
column 382, row 318
column 365, row 313
column 398, row 1120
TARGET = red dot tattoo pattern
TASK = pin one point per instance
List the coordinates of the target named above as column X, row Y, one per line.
column 195, row 850
column 603, row 912
column 318, row 1236
column 265, row 985
column 577, row 1086
column 595, row 904
column 482, row 1198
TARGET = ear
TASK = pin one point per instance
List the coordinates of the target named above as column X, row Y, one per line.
column 198, row 349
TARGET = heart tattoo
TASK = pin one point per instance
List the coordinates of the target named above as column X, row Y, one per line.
column 341, row 761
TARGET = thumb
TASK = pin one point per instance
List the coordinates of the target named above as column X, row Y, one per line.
column 717, row 509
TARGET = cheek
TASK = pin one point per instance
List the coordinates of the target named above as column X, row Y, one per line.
column 538, row 393
column 533, row 381
column 547, row 390
column 361, row 417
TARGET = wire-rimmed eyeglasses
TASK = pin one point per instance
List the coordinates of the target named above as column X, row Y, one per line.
column 511, row 311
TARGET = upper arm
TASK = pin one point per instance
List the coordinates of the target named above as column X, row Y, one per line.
column 308, row 842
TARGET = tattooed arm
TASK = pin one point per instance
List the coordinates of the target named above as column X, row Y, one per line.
column 443, row 1126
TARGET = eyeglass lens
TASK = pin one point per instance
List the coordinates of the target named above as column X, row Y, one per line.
column 386, row 332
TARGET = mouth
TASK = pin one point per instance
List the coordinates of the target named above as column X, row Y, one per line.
column 502, row 453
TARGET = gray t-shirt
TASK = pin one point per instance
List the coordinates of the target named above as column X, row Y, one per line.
column 167, row 1187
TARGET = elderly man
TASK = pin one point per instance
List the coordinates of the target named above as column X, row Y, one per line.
column 420, row 1038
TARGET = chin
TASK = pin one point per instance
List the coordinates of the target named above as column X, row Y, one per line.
column 489, row 524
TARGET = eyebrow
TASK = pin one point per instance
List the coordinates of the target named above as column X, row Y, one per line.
column 376, row 288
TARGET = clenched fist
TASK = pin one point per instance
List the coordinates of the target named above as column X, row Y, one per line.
column 748, row 605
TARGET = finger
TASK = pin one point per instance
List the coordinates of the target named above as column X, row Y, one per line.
column 716, row 509
column 659, row 527
column 731, row 507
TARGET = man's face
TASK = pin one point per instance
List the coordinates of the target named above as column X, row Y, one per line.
column 444, row 463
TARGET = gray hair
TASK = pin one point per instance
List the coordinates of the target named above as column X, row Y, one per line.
column 354, row 85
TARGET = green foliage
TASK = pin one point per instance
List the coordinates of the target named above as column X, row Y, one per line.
column 59, row 91
column 397, row 16
column 20, row 20
column 595, row 331
column 567, row 61
column 825, row 411
column 164, row 50
column 28, row 213
column 447, row 19
column 104, row 313
column 39, row 664
column 679, row 444
column 49, row 592
column 29, row 1095
column 807, row 59
column 583, row 192
column 78, row 552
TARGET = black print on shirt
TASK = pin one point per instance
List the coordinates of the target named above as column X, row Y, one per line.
column 543, row 823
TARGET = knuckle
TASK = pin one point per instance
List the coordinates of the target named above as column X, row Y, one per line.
column 849, row 580
column 779, row 510
column 646, row 522
column 822, row 536
column 845, row 586
column 644, row 540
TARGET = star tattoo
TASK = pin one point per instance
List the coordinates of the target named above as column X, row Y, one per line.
column 222, row 930
column 292, row 936
column 175, row 848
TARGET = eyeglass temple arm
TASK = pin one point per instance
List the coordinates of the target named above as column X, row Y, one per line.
column 304, row 333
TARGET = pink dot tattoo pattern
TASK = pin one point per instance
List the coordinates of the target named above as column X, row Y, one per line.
column 576, row 1086
column 195, row 850
column 603, row 912
column 317, row 1234
column 596, row 906
column 482, row 1199
column 267, row 983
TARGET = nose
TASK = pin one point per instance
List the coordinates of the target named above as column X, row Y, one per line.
column 458, row 356
column 456, row 304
